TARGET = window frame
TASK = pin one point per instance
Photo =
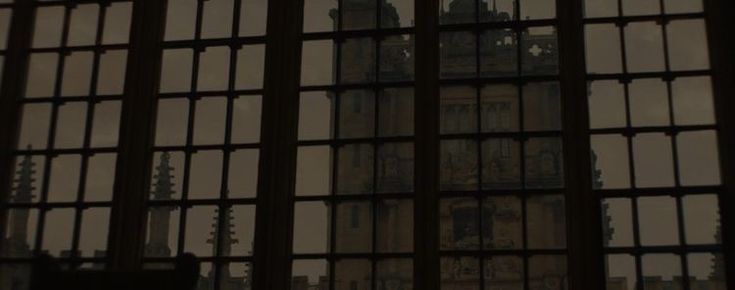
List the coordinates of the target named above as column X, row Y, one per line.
column 279, row 126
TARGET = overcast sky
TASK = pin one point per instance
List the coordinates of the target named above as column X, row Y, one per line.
column 653, row 163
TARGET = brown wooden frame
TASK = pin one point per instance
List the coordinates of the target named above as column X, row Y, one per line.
column 272, row 249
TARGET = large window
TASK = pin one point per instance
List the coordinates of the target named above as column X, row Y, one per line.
column 371, row 144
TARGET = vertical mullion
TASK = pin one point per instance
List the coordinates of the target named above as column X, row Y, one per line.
column 137, row 128
column 426, row 124
column 584, row 245
column 720, row 15
column 279, row 132
column 13, row 80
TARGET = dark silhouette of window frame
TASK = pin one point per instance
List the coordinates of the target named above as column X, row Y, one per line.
column 274, row 217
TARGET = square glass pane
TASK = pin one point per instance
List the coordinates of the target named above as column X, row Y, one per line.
column 502, row 223
column 351, row 274
column 649, row 103
column 458, row 165
column 28, row 179
column 100, row 177
column 238, row 231
column 458, row 110
column 77, row 74
column 688, row 49
column 457, row 12
column 319, row 15
column 93, row 234
column 176, row 70
column 541, row 107
column 498, row 53
column 641, row 7
column 356, row 113
column 357, row 63
column 163, row 231
column 41, row 75
column 457, row 55
column 305, row 273
column 460, row 273
column 547, row 272
column 404, row 16
column 501, row 164
column 243, row 173
column 179, row 24
column 666, row 267
column 701, row 219
column 606, row 101
column 250, row 67
column 253, row 17
column 118, row 21
column 58, row 232
column 610, row 167
column 395, row 112
column 246, row 115
column 354, row 227
column 617, row 222
column 83, row 25
column 459, row 224
column 497, row 10
column 394, row 226
column 602, row 48
column 111, row 75
column 539, row 51
column 504, row 273
column 168, row 175
column 644, row 45
column 692, row 101
column 394, row 272
column 620, row 271
column 70, row 125
column 546, row 222
column 314, row 170
column 34, row 126
column 209, row 120
column 360, row 15
column 395, row 168
column 311, row 227
column 396, row 58
column 201, row 224
column 48, row 26
column 500, row 108
column 653, row 160
column 657, row 219
column 205, row 174
column 214, row 68
column 683, row 6
column 217, row 18
column 544, row 163
column 699, row 160
column 172, row 122
column 317, row 62
column 64, row 180
column 315, row 115
column 538, row 9
column 106, row 124
column 355, row 169
column 21, row 229
column 600, row 8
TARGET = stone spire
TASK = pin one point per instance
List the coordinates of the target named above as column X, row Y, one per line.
column 163, row 189
column 225, row 248
column 227, row 235
column 16, row 243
